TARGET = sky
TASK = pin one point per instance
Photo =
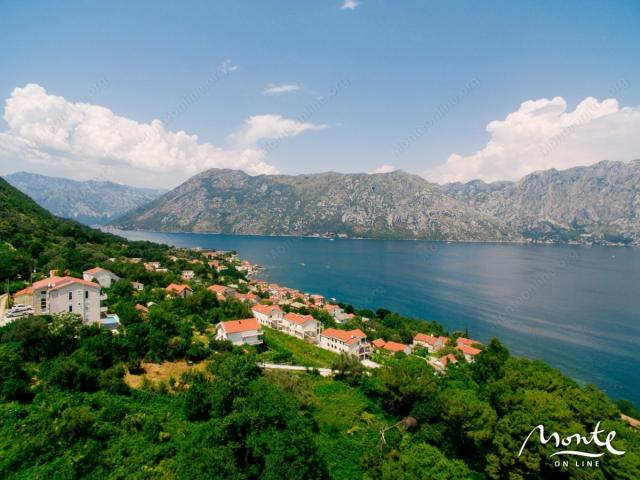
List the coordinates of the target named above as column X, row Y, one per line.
column 149, row 93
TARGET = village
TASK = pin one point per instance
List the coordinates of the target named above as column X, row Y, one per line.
column 309, row 318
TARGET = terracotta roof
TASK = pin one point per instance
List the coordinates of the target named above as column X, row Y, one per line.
column 378, row 343
column 467, row 350
column 93, row 270
column 298, row 319
column 331, row 308
column 450, row 358
column 266, row 309
column 347, row 336
column 428, row 339
column 141, row 308
column 466, row 341
column 53, row 283
column 237, row 326
column 24, row 291
column 217, row 288
column 394, row 347
column 177, row 288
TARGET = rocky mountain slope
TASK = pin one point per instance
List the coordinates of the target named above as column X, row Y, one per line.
column 90, row 202
column 598, row 202
column 389, row 205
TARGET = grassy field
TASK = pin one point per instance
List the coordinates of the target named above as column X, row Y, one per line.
column 348, row 422
column 283, row 348
column 160, row 372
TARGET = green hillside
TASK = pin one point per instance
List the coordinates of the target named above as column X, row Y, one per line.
column 32, row 238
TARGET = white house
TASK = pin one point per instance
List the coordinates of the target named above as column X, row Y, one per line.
column 268, row 315
column 302, row 326
column 354, row 342
column 65, row 294
column 101, row 275
column 240, row 332
column 188, row 275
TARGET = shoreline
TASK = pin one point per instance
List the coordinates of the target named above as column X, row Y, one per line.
column 332, row 238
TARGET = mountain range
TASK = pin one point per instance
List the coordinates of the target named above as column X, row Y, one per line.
column 90, row 202
column 387, row 205
column 600, row 202
column 594, row 204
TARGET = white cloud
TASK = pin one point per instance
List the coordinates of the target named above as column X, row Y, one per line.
column 349, row 5
column 383, row 169
column 542, row 134
column 271, row 126
column 278, row 89
column 79, row 140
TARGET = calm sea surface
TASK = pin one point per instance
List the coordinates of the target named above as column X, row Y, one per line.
column 577, row 308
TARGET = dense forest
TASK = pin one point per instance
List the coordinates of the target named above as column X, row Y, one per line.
column 68, row 407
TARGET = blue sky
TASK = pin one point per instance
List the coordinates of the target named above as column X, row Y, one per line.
column 401, row 84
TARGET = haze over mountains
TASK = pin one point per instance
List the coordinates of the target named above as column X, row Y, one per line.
column 90, row 202
column 598, row 203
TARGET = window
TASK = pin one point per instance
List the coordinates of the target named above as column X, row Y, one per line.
column 70, row 295
column 43, row 303
column 86, row 294
column 71, row 308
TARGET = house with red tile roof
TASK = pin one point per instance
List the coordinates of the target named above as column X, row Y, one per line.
column 469, row 352
column 54, row 295
column 317, row 299
column 222, row 292
column 304, row 327
column 353, row 342
column 431, row 343
column 467, row 342
column 391, row 347
column 447, row 359
column 333, row 310
column 240, row 332
column 268, row 315
column 178, row 289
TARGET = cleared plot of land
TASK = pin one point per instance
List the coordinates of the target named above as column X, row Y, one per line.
column 160, row 372
column 283, row 348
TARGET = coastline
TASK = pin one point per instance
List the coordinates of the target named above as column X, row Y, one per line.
column 110, row 229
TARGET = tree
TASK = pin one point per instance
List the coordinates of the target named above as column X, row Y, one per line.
column 469, row 421
column 14, row 380
column 423, row 461
column 489, row 366
column 197, row 402
column 348, row 368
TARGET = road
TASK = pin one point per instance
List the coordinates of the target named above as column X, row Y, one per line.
column 324, row 372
